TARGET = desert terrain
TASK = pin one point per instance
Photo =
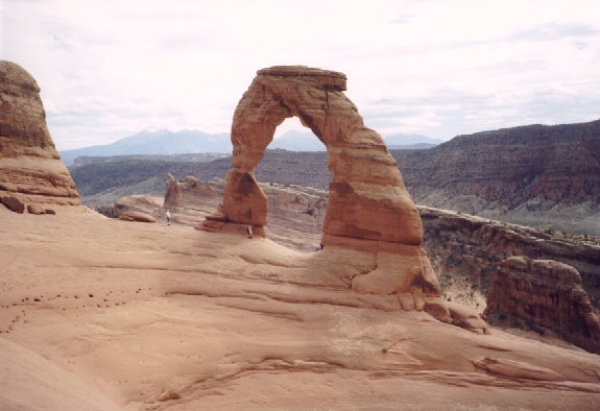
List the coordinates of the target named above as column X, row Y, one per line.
column 103, row 314
column 99, row 313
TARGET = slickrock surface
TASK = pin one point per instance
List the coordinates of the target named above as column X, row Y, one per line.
column 30, row 167
column 466, row 251
column 295, row 216
column 111, row 315
column 547, row 295
column 369, row 212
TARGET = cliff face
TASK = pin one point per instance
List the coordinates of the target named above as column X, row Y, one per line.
column 511, row 166
column 30, row 168
column 473, row 248
column 535, row 175
column 529, row 279
column 546, row 295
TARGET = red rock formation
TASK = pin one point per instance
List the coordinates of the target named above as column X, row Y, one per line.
column 546, row 295
column 472, row 248
column 185, row 194
column 30, row 167
column 369, row 209
column 137, row 216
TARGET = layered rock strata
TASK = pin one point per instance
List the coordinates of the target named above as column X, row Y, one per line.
column 547, row 295
column 369, row 209
column 30, row 167
column 468, row 249
column 541, row 176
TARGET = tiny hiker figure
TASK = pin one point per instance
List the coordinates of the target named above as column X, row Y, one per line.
column 249, row 230
column 168, row 217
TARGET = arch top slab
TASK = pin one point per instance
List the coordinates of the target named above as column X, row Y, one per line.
column 329, row 80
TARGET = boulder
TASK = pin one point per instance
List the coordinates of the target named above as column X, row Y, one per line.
column 29, row 162
column 36, row 209
column 13, row 204
column 136, row 203
column 137, row 216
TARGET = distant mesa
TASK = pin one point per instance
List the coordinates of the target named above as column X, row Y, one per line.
column 30, row 168
column 369, row 212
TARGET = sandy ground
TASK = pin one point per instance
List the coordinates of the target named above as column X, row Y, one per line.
column 100, row 314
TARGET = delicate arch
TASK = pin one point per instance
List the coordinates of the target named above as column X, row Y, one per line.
column 367, row 197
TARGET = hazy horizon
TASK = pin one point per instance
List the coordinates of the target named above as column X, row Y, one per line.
column 109, row 69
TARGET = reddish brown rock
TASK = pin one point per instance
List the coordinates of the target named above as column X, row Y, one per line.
column 137, row 216
column 13, row 204
column 516, row 370
column 136, row 203
column 30, row 167
column 368, row 211
column 36, row 209
column 184, row 194
column 521, row 175
column 547, row 295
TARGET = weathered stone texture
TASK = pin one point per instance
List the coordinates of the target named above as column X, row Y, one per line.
column 13, row 204
column 548, row 296
column 369, row 209
column 30, row 167
column 137, row 216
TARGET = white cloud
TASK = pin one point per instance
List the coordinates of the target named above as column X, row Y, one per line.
column 111, row 68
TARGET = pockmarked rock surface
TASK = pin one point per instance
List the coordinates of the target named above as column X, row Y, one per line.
column 547, row 295
column 30, row 166
column 115, row 316
column 370, row 216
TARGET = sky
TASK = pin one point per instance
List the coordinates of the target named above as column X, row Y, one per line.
column 109, row 69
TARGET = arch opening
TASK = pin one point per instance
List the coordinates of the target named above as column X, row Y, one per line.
column 296, row 196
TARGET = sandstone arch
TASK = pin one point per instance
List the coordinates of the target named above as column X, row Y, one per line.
column 368, row 211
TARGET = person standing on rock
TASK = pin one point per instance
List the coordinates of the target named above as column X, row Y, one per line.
column 168, row 217
column 249, row 230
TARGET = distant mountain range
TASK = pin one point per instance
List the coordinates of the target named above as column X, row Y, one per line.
column 543, row 176
column 165, row 142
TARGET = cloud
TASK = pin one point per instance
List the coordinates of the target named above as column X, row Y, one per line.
column 108, row 69
column 553, row 32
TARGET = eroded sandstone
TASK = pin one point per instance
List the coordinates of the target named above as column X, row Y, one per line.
column 369, row 209
column 30, row 167
column 547, row 295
